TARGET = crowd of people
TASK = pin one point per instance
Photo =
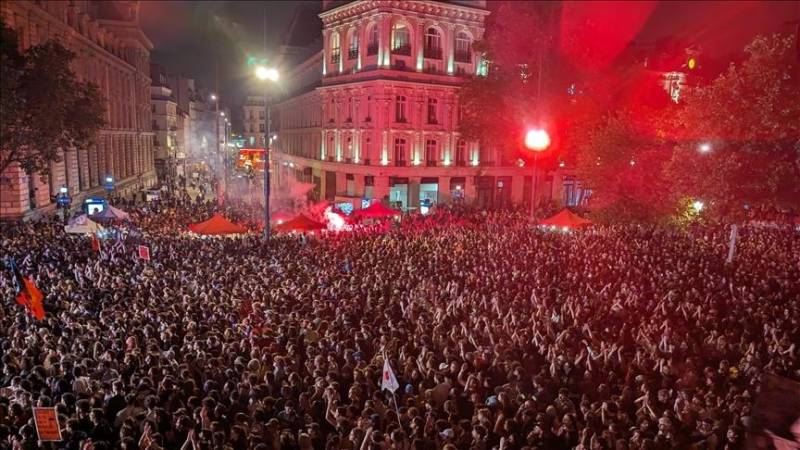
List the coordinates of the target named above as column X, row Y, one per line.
column 501, row 336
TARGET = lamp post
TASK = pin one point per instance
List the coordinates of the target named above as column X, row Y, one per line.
column 536, row 140
column 265, row 74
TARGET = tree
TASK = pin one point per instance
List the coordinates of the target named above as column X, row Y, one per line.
column 498, row 107
column 750, row 118
column 622, row 160
column 45, row 109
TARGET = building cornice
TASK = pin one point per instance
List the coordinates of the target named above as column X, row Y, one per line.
column 73, row 33
column 444, row 10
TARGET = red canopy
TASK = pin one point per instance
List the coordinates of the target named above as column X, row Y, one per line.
column 565, row 218
column 217, row 224
column 299, row 223
column 376, row 210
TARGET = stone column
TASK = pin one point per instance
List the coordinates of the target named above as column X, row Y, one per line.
column 413, row 192
column 381, row 187
column 384, row 40
column 418, row 43
column 470, row 189
column 448, row 49
column 445, row 196
column 326, row 51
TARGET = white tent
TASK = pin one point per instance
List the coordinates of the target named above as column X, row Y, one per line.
column 82, row 225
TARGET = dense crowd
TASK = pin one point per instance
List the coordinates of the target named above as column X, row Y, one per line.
column 500, row 336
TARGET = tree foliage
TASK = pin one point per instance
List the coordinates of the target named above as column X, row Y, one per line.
column 44, row 107
column 750, row 116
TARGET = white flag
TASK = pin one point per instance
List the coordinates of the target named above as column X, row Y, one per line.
column 389, row 381
column 732, row 243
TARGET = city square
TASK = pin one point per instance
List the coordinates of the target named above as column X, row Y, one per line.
column 400, row 224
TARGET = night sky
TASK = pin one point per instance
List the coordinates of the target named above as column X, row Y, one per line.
column 189, row 35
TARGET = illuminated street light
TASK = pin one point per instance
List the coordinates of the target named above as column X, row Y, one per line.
column 698, row 205
column 263, row 73
column 222, row 113
column 536, row 140
column 704, row 147
column 267, row 74
column 213, row 96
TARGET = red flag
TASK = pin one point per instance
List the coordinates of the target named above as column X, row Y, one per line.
column 95, row 244
column 28, row 295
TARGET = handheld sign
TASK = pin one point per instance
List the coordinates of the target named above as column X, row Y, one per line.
column 47, row 426
column 144, row 252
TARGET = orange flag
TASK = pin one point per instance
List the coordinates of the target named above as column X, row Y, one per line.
column 28, row 295
column 95, row 244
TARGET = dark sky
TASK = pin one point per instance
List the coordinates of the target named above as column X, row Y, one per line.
column 190, row 35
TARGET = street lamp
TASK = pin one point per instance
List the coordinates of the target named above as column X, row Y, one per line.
column 536, row 140
column 266, row 74
column 705, row 147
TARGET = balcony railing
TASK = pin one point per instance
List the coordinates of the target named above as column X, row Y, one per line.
column 433, row 52
column 400, row 163
column 462, row 56
column 335, row 55
column 372, row 49
column 402, row 50
column 352, row 53
column 366, row 161
column 430, row 163
column 461, row 162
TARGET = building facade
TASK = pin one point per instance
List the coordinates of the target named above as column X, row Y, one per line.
column 254, row 124
column 382, row 122
column 113, row 53
column 164, row 123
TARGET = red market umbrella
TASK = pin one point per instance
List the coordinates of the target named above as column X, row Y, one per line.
column 565, row 218
column 376, row 210
column 299, row 223
column 217, row 225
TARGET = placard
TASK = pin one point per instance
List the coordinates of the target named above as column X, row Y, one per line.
column 47, row 426
column 144, row 252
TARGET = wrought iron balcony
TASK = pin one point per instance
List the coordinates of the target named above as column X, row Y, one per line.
column 402, row 50
column 352, row 53
column 372, row 49
column 433, row 52
column 462, row 56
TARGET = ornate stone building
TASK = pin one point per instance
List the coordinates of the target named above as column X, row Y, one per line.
column 382, row 120
column 113, row 53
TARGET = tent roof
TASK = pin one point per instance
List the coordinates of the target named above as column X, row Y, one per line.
column 300, row 223
column 565, row 218
column 111, row 213
column 216, row 225
column 376, row 210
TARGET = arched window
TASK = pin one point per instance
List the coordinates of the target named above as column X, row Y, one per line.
column 461, row 153
column 401, row 39
column 463, row 51
column 372, row 47
column 433, row 43
column 336, row 50
column 352, row 38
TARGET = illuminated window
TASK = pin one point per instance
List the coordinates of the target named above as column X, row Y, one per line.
column 432, row 111
column 335, row 48
column 400, row 109
column 401, row 39
column 430, row 152
column 399, row 152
